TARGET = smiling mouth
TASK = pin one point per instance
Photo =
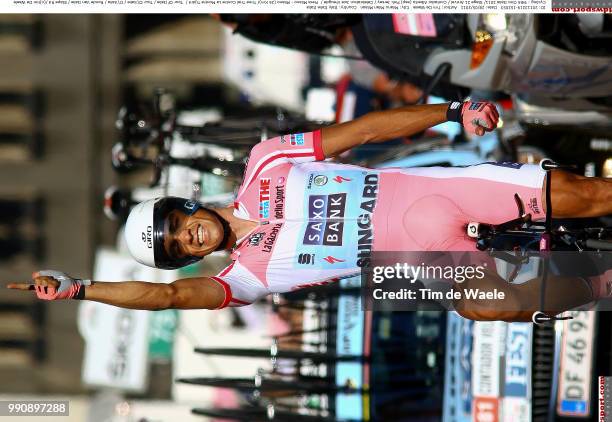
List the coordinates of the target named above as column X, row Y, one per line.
column 200, row 235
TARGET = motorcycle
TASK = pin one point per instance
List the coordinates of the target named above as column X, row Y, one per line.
column 542, row 56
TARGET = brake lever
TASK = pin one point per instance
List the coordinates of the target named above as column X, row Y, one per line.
column 520, row 205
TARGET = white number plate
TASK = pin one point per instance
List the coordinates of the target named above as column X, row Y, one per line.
column 574, row 393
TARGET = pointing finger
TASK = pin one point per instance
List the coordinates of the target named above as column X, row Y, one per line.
column 20, row 286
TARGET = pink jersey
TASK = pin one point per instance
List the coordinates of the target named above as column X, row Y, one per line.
column 320, row 221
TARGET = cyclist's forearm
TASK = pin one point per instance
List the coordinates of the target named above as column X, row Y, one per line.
column 405, row 121
column 132, row 294
column 380, row 126
column 522, row 300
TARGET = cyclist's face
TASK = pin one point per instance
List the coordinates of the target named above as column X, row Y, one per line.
column 195, row 235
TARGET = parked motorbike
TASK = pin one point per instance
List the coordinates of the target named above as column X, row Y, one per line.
column 545, row 56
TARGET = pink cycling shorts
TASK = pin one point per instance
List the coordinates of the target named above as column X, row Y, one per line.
column 434, row 204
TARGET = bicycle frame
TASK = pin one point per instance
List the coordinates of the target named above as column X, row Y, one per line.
column 526, row 239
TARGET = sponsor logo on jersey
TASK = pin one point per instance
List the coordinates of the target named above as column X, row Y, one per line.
column 332, row 259
column 255, row 239
column 340, row 179
column 306, row 258
column 297, row 139
column 320, row 180
column 264, row 197
column 279, row 200
column 533, row 205
column 507, row 164
column 316, row 283
column 282, row 139
column 268, row 243
column 365, row 235
column 147, row 237
column 324, row 214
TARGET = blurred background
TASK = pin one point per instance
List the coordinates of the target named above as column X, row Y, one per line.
column 99, row 112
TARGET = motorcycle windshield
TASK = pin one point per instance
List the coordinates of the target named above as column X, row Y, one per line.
column 401, row 43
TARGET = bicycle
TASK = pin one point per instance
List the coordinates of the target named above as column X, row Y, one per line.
column 157, row 129
column 526, row 238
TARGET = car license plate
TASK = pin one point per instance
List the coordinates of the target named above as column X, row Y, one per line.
column 574, row 392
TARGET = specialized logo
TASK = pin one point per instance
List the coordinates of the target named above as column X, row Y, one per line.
column 317, row 283
column 147, row 237
column 306, row 258
column 508, row 164
column 264, row 197
column 255, row 239
column 320, row 180
column 297, row 139
column 324, row 214
column 341, row 179
column 332, row 259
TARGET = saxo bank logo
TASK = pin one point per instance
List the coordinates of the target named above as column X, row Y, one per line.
column 325, row 214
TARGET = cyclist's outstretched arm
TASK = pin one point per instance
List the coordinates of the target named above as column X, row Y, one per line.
column 380, row 126
column 188, row 293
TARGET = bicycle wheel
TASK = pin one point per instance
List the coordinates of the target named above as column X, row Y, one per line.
column 244, row 414
column 286, row 354
column 259, row 414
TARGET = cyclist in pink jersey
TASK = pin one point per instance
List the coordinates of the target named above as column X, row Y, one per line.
column 299, row 220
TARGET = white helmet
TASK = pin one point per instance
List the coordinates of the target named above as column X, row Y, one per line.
column 145, row 230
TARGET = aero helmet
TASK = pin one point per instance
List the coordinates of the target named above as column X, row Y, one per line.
column 145, row 229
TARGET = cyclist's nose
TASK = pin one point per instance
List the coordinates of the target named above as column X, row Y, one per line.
column 185, row 236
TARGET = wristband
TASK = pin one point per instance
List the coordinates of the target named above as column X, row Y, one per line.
column 453, row 113
column 80, row 295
